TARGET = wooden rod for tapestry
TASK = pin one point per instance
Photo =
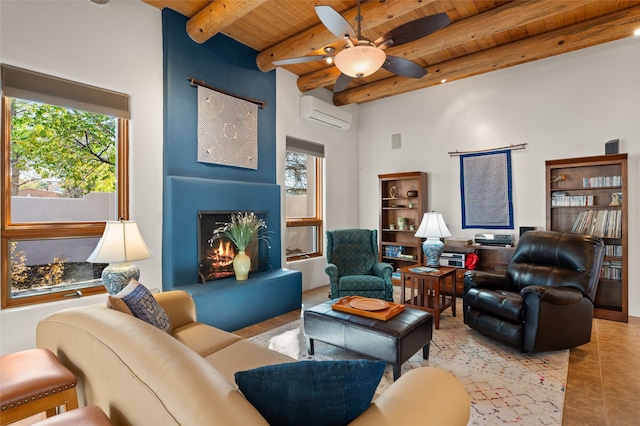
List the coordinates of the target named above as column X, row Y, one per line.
column 193, row 83
column 510, row 147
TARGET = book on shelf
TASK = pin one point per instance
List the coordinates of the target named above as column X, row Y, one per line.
column 601, row 223
column 611, row 270
column 612, row 250
column 601, row 181
column 572, row 200
column 407, row 256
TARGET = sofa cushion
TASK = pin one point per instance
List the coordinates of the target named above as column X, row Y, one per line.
column 203, row 338
column 142, row 305
column 244, row 355
column 322, row 393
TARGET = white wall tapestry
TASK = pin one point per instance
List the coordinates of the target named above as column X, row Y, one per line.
column 227, row 130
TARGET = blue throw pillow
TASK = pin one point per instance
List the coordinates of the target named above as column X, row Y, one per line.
column 323, row 393
column 143, row 305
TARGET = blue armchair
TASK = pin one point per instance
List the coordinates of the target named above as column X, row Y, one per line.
column 353, row 267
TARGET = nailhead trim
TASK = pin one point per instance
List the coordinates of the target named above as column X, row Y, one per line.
column 40, row 395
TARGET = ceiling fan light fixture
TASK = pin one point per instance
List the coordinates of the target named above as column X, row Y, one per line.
column 329, row 51
column 360, row 61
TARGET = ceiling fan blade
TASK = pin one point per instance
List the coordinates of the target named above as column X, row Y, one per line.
column 403, row 67
column 300, row 60
column 342, row 82
column 335, row 23
column 413, row 30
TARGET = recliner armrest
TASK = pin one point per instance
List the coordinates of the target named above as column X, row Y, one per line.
column 382, row 270
column 332, row 270
column 554, row 295
column 490, row 281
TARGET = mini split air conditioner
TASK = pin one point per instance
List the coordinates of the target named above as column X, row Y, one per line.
column 317, row 111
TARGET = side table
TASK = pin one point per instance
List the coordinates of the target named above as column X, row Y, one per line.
column 428, row 290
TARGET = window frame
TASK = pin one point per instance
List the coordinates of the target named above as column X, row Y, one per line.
column 52, row 230
column 317, row 221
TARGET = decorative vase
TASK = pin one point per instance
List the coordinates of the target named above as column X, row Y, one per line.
column 241, row 266
column 432, row 248
column 402, row 223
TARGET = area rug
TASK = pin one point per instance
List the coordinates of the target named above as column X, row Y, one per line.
column 506, row 386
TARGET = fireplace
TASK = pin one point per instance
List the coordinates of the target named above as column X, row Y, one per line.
column 215, row 257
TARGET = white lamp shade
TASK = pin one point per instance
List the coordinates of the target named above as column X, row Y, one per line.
column 432, row 226
column 120, row 242
column 360, row 60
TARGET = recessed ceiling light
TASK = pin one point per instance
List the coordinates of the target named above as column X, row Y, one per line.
column 637, row 32
column 444, row 80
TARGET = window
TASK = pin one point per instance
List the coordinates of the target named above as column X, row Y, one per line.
column 303, row 199
column 64, row 174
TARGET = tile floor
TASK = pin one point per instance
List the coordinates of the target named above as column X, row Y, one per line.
column 603, row 383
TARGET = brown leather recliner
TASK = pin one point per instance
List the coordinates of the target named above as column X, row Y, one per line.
column 544, row 300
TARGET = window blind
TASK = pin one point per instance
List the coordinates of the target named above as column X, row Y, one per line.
column 305, row 147
column 34, row 86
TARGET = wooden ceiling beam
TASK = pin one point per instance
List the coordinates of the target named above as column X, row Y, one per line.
column 599, row 30
column 218, row 15
column 374, row 13
column 503, row 18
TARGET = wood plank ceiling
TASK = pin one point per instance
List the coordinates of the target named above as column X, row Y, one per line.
column 484, row 35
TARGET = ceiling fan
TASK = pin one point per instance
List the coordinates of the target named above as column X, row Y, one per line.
column 361, row 57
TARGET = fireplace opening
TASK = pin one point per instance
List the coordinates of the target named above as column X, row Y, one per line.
column 215, row 257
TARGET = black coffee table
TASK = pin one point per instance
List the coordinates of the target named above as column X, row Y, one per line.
column 394, row 340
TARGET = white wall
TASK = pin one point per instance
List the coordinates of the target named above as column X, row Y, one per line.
column 340, row 165
column 117, row 46
column 561, row 107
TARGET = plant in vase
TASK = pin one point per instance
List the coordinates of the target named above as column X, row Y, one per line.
column 244, row 230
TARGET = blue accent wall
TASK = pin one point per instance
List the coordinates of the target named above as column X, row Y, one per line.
column 227, row 65
column 190, row 186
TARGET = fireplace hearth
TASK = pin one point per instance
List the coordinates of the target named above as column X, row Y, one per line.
column 215, row 257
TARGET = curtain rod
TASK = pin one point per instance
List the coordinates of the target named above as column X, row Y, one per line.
column 512, row 147
column 193, row 83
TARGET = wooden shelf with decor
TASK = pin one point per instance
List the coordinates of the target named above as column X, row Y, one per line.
column 403, row 202
column 589, row 195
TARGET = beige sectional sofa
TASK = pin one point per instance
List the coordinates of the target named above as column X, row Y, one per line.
column 140, row 375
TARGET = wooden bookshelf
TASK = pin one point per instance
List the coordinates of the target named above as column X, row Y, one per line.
column 589, row 195
column 398, row 246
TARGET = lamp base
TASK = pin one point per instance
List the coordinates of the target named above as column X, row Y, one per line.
column 432, row 248
column 117, row 276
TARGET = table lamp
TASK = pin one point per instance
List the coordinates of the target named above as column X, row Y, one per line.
column 432, row 228
column 120, row 244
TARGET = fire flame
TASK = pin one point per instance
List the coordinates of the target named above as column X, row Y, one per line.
column 222, row 255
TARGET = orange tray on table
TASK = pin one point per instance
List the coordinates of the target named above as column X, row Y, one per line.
column 345, row 304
